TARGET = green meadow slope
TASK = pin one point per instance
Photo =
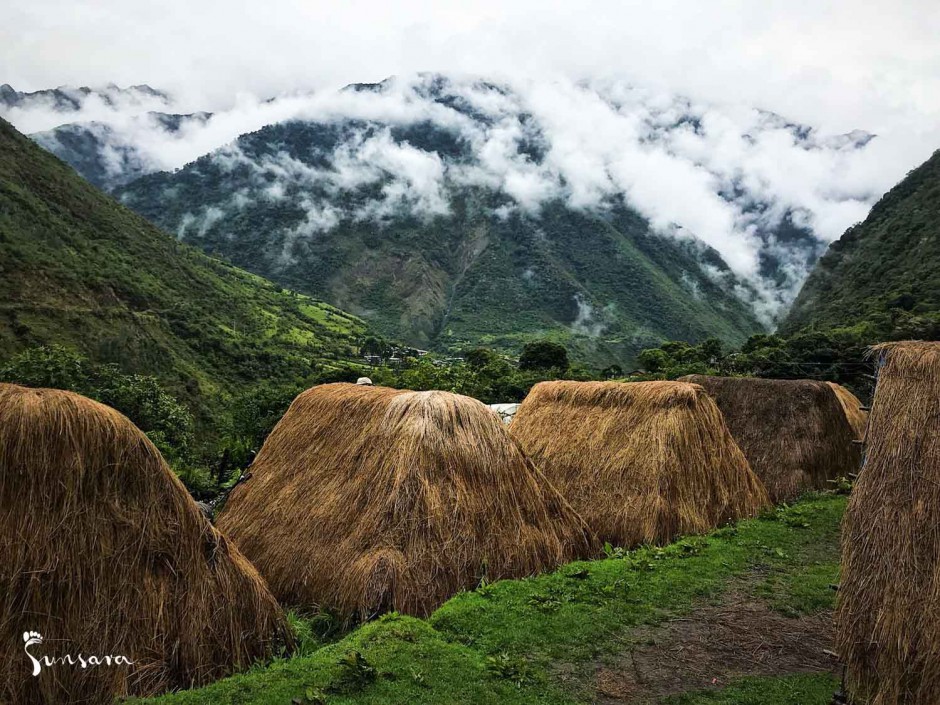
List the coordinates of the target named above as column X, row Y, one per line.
column 79, row 269
column 883, row 273
column 566, row 637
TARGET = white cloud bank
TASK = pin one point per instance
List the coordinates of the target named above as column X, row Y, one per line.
column 725, row 173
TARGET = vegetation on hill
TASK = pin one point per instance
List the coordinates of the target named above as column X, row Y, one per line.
column 95, row 299
column 881, row 279
column 550, row 638
column 79, row 270
column 836, row 356
column 483, row 273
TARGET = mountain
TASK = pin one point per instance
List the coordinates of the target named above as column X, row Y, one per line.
column 110, row 155
column 449, row 212
column 66, row 99
column 378, row 197
column 471, row 271
column 79, row 269
column 883, row 272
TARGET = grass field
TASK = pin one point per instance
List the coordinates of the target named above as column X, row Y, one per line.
column 572, row 635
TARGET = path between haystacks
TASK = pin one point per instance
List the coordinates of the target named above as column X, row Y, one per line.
column 715, row 643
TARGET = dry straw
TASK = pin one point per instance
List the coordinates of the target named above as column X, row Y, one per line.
column 854, row 411
column 366, row 499
column 794, row 433
column 641, row 462
column 103, row 552
column 888, row 619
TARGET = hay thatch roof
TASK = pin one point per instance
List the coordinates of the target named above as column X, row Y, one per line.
column 103, row 552
column 365, row 499
column 888, row 629
column 852, row 406
column 641, row 462
column 793, row 432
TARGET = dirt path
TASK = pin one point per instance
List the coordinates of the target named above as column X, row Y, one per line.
column 712, row 645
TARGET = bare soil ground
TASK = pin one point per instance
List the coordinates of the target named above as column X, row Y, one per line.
column 713, row 644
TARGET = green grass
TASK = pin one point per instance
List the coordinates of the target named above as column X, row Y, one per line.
column 803, row 689
column 80, row 270
column 504, row 642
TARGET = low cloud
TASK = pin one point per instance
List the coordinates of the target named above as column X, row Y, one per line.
column 724, row 174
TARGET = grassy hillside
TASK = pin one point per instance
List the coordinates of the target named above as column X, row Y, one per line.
column 79, row 269
column 740, row 617
column 603, row 283
column 883, row 273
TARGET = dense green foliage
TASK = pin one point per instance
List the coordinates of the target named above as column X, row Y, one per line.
column 509, row 642
column 79, row 270
column 168, row 423
column 543, row 355
column 603, row 283
column 482, row 374
column 804, row 689
column 837, row 356
column 881, row 279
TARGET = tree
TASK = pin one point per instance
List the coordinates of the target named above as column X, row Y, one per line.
column 49, row 366
column 478, row 358
column 710, row 350
column 167, row 422
column 543, row 355
column 654, row 360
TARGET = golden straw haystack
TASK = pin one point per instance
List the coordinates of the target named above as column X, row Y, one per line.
column 642, row 462
column 793, row 432
column 858, row 418
column 103, row 553
column 366, row 499
column 888, row 618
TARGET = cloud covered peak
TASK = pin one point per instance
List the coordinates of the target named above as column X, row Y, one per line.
column 765, row 193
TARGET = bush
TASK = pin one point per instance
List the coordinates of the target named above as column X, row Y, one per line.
column 543, row 355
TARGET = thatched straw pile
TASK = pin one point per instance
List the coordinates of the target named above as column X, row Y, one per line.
column 888, row 619
column 641, row 462
column 794, row 433
column 366, row 499
column 103, row 552
column 858, row 418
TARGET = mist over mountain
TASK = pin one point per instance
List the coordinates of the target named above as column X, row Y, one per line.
column 33, row 111
column 80, row 270
column 109, row 154
column 883, row 275
column 761, row 195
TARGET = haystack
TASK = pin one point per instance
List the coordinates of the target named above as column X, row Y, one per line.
column 888, row 629
column 367, row 499
column 794, row 433
column 641, row 462
column 854, row 411
column 103, row 553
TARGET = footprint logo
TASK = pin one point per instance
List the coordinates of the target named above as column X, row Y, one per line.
column 31, row 639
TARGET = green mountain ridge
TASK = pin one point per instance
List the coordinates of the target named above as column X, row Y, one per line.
column 601, row 282
column 883, row 273
column 81, row 270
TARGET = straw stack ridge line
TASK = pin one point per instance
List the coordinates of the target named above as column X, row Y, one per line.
column 366, row 499
column 103, row 552
column 888, row 617
column 642, row 462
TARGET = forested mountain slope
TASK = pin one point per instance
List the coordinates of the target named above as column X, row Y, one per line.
column 79, row 269
column 885, row 271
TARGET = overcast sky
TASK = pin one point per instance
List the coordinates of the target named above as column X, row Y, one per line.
column 842, row 64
